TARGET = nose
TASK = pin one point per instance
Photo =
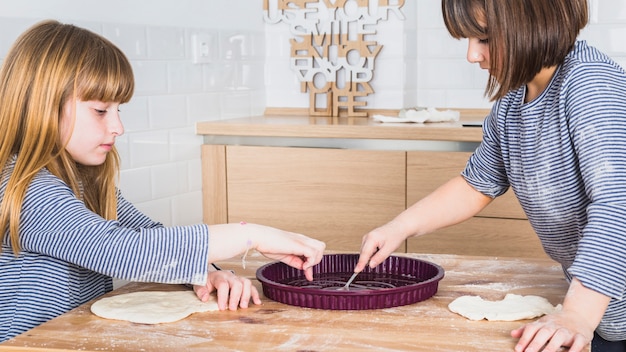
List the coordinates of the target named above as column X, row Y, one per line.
column 475, row 52
column 116, row 126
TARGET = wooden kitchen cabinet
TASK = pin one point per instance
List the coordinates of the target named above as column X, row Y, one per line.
column 338, row 178
column 335, row 195
column 501, row 229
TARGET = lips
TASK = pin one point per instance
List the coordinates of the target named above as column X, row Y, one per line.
column 107, row 146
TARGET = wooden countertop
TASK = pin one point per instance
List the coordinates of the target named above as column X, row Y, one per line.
column 272, row 326
column 345, row 127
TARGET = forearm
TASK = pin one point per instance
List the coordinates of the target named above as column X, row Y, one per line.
column 585, row 303
column 451, row 203
column 229, row 240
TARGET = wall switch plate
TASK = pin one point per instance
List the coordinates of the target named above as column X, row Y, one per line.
column 202, row 48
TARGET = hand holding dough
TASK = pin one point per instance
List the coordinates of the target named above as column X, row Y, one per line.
column 512, row 307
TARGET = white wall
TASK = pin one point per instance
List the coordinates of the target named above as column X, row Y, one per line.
column 419, row 65
column 446, row 79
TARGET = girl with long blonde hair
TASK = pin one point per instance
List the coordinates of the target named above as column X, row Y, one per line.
column 67, row 229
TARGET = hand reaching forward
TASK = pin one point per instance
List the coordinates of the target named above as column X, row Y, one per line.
column 232, row 290
column 379, row 244
column 293, row 249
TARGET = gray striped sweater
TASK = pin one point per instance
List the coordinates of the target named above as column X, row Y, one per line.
column 69, row 254
column 564, row 155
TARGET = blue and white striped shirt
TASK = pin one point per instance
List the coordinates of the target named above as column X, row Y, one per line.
column 564, row 155
column 69, row 254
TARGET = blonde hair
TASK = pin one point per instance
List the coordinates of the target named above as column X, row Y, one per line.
column 50, row 64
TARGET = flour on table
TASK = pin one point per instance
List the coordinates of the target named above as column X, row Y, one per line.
column 512, row 307
column 152, row 307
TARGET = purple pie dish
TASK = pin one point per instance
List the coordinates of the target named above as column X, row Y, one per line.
column 395, row 282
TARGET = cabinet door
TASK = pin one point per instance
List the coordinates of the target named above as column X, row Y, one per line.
column 428, row 170
column 501, row 229
column 482, row 236
column 335, row 195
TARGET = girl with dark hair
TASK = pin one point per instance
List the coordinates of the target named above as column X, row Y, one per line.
column 556, row 135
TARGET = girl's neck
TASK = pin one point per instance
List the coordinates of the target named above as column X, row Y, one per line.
column 535, row 87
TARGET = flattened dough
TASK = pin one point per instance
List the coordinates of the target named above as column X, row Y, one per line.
column 152, row 307
column 512, row 307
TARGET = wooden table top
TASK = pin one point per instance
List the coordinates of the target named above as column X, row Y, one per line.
column 273, row 326
column 345, row 127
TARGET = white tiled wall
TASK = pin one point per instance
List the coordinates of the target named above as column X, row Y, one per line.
column 444, row 78
column 420, row 65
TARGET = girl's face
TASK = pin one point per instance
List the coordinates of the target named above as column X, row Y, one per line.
column 478, row 52
column 95, row 128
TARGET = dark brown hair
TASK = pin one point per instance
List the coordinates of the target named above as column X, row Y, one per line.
column 525, row 36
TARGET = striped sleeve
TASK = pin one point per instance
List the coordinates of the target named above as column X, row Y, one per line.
column 596, row 107
column 56, row 224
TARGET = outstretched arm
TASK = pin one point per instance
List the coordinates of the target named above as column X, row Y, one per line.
column 451, row 203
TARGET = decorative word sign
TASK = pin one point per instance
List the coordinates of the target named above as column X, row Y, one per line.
column 332, row 52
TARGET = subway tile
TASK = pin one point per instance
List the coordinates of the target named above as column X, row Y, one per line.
column 409, row 42
column 278, row 42
column 437, row 43
column 279, row 76
column 467, row 98
column 166, row 43
column 135, row 184
column 609, row 11
column 194, row 173
column 210, row 37
column 235, row 104
column 187, row 208
column 159, row 210
column 150, row 77
column 388, row 34
column 122, row 145
column 429, row 14
column 167, row 111
column 241, row 45
column 386, row 99
column 148, row 148
column 608, row 38
column 288, row 98
column 131, row 39
column 215, row 76
column 252, row 75
column 203, row 107
column 429, row 97
column 257, row 102
column 184, row 77
column 134, row 114
column 389, row 75
column 168, row 180
column 444, row 74
column 184, row 144
column 409, row 97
